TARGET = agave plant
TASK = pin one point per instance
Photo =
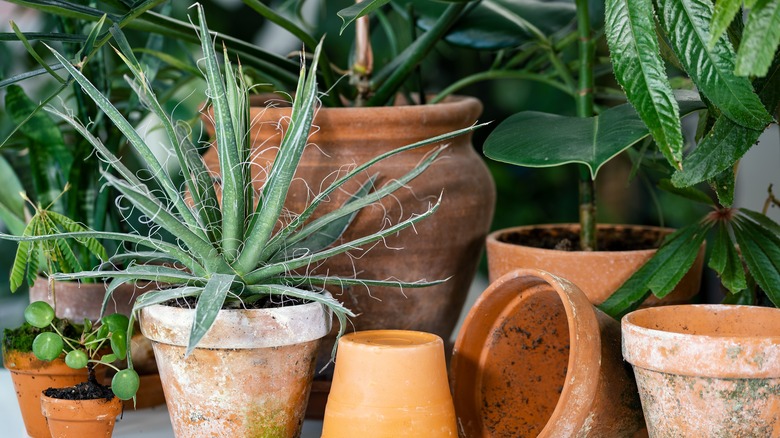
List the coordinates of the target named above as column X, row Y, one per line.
column 238, row 249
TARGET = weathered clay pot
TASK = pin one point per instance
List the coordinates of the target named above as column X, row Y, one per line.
column 376, row 393
column 77, row 301
column 597, row 273
column 446, row 245
column 535, row 358
column 249, row 376
column 80, row 418
column 706, row 370
column 31, row 376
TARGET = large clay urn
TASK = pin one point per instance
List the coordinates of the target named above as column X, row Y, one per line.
column 445, row 245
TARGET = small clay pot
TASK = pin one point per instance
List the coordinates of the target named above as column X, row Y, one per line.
column 81, row 418
column 706, row 370
column 597, row 273
column 535, row 358
column 31, row 376
column 388, row 384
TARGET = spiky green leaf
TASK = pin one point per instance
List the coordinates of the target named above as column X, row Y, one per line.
column 209, row 304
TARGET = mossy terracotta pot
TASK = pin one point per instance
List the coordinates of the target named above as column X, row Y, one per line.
column 534, row 358
column 388, row 384
column 250, row 375
column 446, row 245
column 31, row 376
column 597, row 273
column 80, row 418
column 706, row 370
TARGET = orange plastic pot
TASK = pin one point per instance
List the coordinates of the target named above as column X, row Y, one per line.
column 535, row 358
column 31, row 376
column 706, row 370
column 388, row 384
column 80, row 418
column 597, row 273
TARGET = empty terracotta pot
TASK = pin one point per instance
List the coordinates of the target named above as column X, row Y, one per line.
column 597, row 273
column 388, row 384
column 535, row 358
column 81, row 418
column 706, row 370
column 31, row 376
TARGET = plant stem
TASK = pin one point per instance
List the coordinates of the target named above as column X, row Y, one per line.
column 584, row 100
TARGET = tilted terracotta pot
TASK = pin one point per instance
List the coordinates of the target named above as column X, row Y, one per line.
column 535, row 358
column 81, row 418
column 250, row 375
column 597, row 273
column 31, row 376
column 446, row 245
column 706, row 370
column 389, row 384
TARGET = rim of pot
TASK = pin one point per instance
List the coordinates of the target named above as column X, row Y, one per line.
column 709, row 340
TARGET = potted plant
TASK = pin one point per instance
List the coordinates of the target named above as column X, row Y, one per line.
column 232, row 285
column 88, row 408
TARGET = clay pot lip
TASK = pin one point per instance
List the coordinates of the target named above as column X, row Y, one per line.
column 80, row 410
column 493, row 239
column 708, row 355
column 240, row 328
column 570, row 411
column 390, row 339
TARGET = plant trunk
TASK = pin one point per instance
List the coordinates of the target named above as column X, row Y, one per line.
column 585, row 109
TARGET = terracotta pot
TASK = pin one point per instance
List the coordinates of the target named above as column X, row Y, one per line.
column 446, row 245
column 31, row 376
column 535, row 358
column 706, row 370
column 81, row 418
column 376, row 393
column 597, row 273
column 249, row 376
column 77, row 301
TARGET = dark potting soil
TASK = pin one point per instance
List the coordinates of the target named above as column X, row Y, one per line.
column 610, row 239
column 268, row 302
column 82, row 391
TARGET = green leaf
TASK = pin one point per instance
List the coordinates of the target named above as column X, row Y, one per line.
column 762, row 220
column 352, row 13
column 125, row 384
column 725, row 260
column 160, row 296
column 21, row 36
column 39, row 314
column 24, row 253
column 761, row 252
column 110, row 289
column 639, row 69
column 760, row 39
column 726, row 143
column 661, row 273
column 11, row 203
column 47, row 346
column 160, row 274
column 76, row 359
column 119, row 344
column 723, row 184
column 500, row 24
column 71, row 226
column 723, row 15
column 686, row 22
column 209, row 304
column 535, row 139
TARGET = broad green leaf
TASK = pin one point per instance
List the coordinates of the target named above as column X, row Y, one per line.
column 722, row 16
column 723, row 184
column 359, row 9
column 209, row 304
column 726, row 143
column 686, row 22
column 544, row 140
column 762, row 220
column 500, row 24
column 760, row 39
column 725, row 260
column 639, row 69
column 661, row 273
column 761, row 255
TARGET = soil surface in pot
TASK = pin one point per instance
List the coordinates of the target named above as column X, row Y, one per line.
column 82, row 391
column 269, row 302
column 561, row 239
